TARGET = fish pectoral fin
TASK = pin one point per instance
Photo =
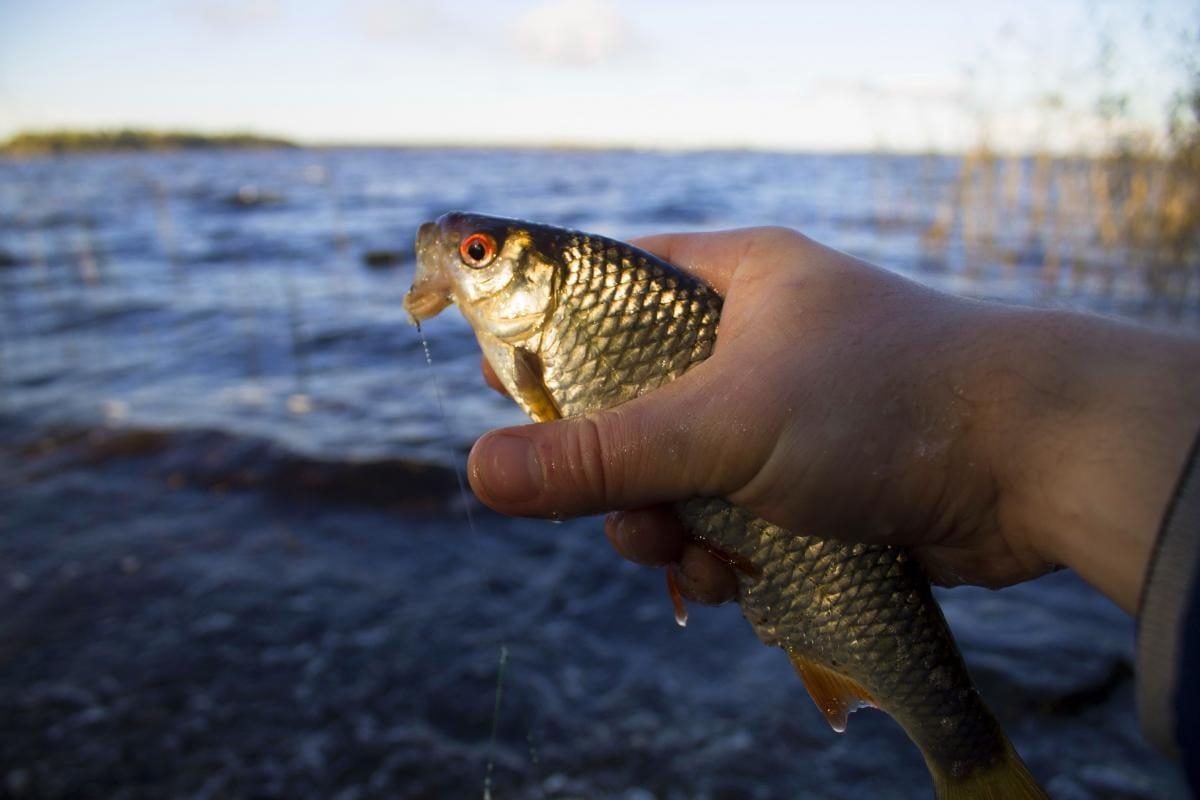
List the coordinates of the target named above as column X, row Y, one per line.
column 677, row 601
column 535, row 397
column 835, row 694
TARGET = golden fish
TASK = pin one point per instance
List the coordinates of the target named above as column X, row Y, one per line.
column 572, row 323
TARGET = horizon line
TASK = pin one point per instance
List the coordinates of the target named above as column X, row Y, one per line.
column 565, row 146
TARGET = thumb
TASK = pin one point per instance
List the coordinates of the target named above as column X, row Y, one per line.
column 654, row 449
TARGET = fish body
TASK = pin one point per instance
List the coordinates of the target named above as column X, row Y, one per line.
column 572, row 323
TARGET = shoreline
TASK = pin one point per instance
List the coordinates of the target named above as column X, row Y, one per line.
column 131, row 140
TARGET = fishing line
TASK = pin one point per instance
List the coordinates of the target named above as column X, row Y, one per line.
column 491, row 762
column 441, row 406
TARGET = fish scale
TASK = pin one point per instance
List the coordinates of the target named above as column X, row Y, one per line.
column 858, row 621
column 606, row 341
column 844, row 604
column 841, row 603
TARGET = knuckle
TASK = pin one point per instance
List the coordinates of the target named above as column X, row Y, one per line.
column 587, row 458
column 770, row 240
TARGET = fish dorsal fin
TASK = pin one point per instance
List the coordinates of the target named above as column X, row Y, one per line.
column 527, row 371
column 835, row 694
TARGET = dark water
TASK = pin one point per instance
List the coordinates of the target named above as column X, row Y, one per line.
column 234, row 561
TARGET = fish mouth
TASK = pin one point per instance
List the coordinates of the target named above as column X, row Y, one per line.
column 431, row 289
column 423, row 305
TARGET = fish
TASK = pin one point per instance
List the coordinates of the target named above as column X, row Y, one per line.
column 572, row 323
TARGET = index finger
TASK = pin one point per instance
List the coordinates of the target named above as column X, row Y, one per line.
column 711, row 256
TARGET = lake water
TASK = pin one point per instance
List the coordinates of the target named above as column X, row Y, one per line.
column 234, row 560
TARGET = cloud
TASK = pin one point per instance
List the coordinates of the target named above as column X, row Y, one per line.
column 390, row 20
column 225, row 16
column 573, row 33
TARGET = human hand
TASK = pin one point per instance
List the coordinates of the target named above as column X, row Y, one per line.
column 845, row 401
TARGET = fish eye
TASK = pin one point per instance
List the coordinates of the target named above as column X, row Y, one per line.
column 477, row 250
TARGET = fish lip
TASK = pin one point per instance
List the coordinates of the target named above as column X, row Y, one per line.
column 431, row 289
column 422, row 304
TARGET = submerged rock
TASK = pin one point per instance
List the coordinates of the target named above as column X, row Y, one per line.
column 383, row 259
column 251, row 196
column 218, row 461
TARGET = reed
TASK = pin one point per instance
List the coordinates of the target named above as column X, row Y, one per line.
column 1124, row 224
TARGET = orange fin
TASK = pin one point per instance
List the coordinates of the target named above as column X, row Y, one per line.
column 681, row 611
column 834, row 693
column 1007, row 779
column 527, row 371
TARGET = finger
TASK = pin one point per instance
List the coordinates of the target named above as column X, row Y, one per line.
column 703, row 578
column 490, row 377
column 714, row 257
column 661, row 447
column 652, row 536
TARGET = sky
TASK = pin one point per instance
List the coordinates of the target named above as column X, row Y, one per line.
column 773, row 74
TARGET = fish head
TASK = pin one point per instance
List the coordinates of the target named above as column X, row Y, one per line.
column 490, row 267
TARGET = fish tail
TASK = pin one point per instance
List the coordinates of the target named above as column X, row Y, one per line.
column 1007, row 779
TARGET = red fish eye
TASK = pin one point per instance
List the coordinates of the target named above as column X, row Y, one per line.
column 477, row 250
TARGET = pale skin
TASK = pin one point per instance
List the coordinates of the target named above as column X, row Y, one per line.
column 842, row 400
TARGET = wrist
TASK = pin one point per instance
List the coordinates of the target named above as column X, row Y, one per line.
column 1090, row 421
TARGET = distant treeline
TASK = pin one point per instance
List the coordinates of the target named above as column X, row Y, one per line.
column 74, row 141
